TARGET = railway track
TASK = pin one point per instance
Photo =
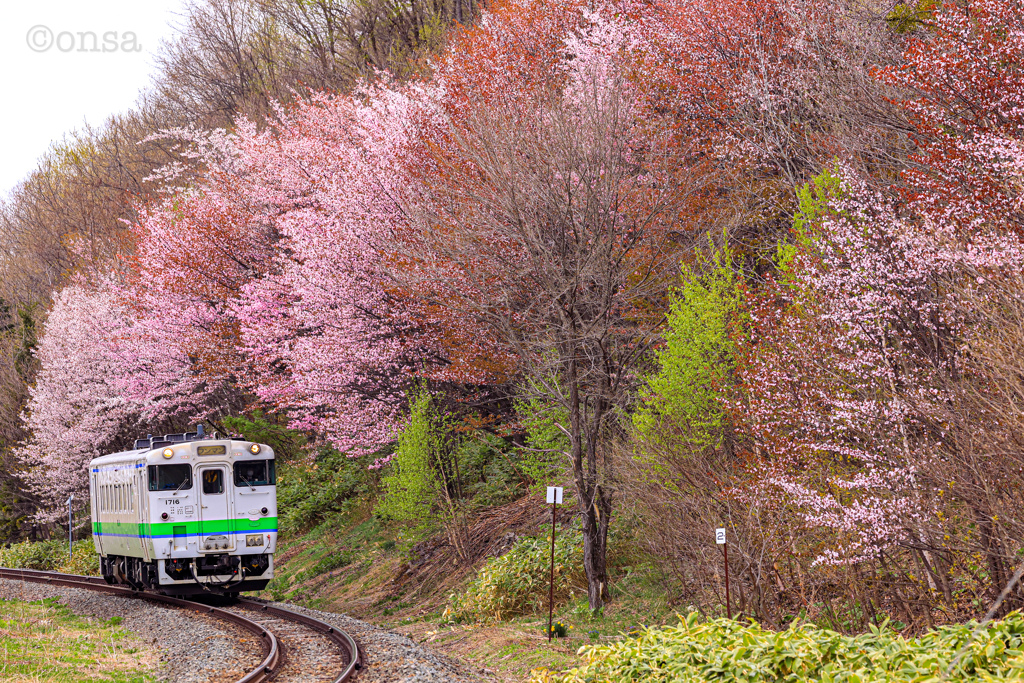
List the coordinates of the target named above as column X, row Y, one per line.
column 296, row 647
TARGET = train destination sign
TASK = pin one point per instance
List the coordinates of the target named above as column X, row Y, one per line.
column 211, row 450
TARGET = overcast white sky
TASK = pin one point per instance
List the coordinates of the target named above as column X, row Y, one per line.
column 54, row 88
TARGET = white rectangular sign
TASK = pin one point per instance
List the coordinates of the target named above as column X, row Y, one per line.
column 720, row 536
column 555, row 494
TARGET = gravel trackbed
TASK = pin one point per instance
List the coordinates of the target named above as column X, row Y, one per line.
column 195, row 648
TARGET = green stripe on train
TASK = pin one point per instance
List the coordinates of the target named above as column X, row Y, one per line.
column 212, row 526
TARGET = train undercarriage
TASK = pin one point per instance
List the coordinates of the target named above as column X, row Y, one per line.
column 221, row 574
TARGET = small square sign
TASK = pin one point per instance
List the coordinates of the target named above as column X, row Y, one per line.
column 720, row 536
column 555, row 494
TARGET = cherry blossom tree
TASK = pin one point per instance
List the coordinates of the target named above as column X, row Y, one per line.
column 103, row 373
column 848, row 381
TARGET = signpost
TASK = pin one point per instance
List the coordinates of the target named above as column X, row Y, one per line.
column 720, row 540
column 71, row 528
column 555, row 498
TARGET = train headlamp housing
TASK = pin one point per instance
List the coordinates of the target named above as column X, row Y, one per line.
column 254, row 449
column 168, row 452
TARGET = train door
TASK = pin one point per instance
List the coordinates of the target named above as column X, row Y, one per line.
column 214, row 509
column 142, row 502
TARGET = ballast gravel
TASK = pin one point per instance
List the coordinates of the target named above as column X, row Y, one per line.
column 194, row 648
column 391, row 657
column 200, row 649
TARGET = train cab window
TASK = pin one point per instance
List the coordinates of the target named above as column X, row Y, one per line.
column 255, row 473
column 213, row 481
column 170, row 477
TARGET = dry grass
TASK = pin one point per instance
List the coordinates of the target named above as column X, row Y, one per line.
column 43, row 641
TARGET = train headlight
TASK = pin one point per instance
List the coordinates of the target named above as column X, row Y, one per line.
column 168, row 452
column 254, row 449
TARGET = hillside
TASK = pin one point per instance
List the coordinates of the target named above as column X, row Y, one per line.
column 747, row 265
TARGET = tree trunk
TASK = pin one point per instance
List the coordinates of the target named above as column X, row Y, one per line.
column 595, row 514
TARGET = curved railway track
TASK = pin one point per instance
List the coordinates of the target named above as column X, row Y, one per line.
column 292, row 643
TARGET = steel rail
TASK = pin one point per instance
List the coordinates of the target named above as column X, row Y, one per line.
column 261, row 673
column 344, row 641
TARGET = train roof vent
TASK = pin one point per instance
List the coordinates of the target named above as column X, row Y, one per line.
column 159, row 443
column 190, row 436
column 174, row 438
column 141, row 443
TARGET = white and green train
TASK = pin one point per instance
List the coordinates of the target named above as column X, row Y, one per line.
column 186, row 513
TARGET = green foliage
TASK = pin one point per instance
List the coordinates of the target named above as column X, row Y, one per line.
column 541, row 462
column 517, row 582
column 310, row 492
column 814, row 203
column 288, row 444
column 681, row 403
column 726, row 650
column 907, row 18
column 411, row 485
column 490, row 472
column 52, row 555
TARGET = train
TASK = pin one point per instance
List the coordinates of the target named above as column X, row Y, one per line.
column 184, row 514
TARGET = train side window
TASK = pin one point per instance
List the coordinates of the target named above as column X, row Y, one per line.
column 254, row 473
column 170, row 477
column 213, row 481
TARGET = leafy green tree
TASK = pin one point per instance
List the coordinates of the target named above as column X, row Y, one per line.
column 411, row 486
column 681, row 403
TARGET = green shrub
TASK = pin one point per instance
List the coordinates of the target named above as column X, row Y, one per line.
column 726, row 650
column 84, row 561
column 517, row 582
column 310, row 492
column 52, row 555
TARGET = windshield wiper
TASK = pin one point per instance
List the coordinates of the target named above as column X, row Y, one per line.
column 184, row 481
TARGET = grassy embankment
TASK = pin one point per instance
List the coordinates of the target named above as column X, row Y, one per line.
column 490, row 615
column 355, row 564
column 43, row 641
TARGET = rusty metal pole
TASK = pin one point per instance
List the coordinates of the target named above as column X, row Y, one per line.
column 71, row 529
column 728, row 607
column 551, row 588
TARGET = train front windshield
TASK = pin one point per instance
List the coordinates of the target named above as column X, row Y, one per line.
column 170, row 477
column 254, row 473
